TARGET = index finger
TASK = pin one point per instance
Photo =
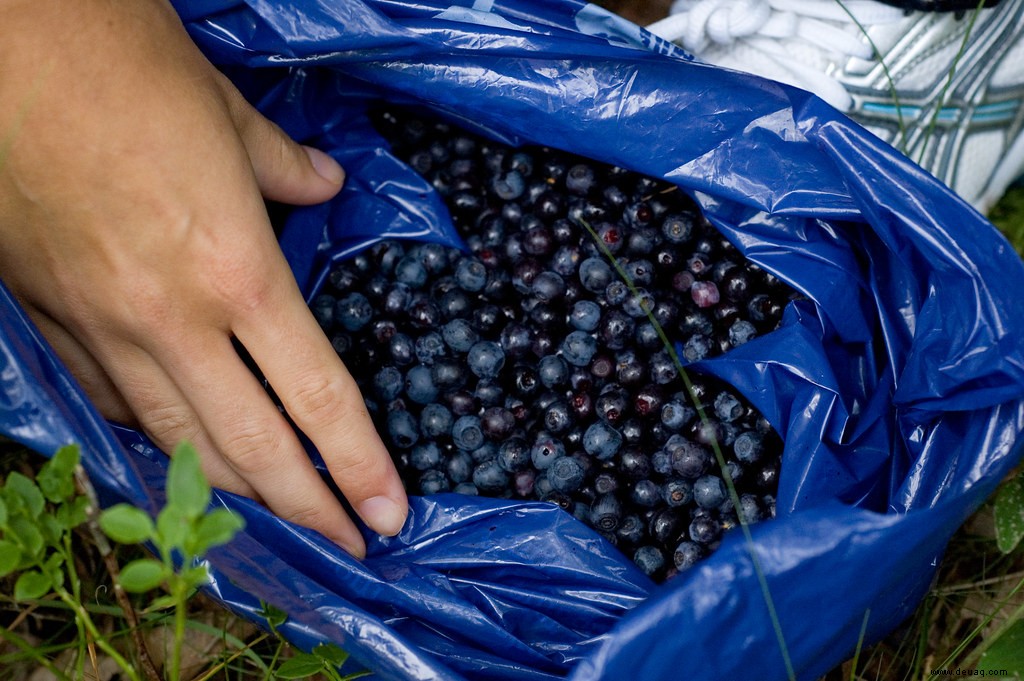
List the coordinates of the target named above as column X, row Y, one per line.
column 325, row 403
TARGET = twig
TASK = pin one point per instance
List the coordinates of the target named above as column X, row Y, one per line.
column 107, row 553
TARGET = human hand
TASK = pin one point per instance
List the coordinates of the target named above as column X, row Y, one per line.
column 133, row 231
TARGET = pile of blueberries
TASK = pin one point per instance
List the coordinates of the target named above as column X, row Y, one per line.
column 534, row 365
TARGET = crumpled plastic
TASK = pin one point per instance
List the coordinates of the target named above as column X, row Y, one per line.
column 897, row 383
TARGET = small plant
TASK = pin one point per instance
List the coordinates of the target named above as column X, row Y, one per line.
column 324, row 659
column 37, row 519
column 183, row 532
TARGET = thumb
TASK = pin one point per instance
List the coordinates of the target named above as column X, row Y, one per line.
column 285, row 170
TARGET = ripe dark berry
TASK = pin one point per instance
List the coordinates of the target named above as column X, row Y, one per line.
column 526, row 367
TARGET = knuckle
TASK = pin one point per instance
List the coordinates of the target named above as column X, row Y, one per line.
column 253, row 450
column 308, row 515
column 169, row 424
column 320, row 399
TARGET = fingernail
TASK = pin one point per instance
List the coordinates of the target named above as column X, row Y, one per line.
column 383, row 515
column 325, row 166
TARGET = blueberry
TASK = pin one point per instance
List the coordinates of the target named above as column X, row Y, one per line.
column 354, row 311
column 689, row 459
column 466, row 433
column 595, row 274
column 388, row 383
column 411, row 272
column 585, row 315
column 687, row 554
column 448, row 373
column 741, row 332
column 645, row 493
column 677, row 229
column 704, row 529
column 523, row 482
column 514, row 455
column 662, row 368
column 580, row 179
column 546, row 449
column 435, row 421
column 602, row 441
column 419, row 385
column 750, row 509
column 433, row 482
column 709, row 491
column 675, row 415
column 639, row 272
column 556, row 418
column 489, row 477
column 606, row 513
column 634, row 463
column 508, row 186
column 704, row 293
column 516, row 340
column 548, row 286
column 647, row 336
column 578, row 348
column 402, row 428
column 677, row 492
column 638, row 303
column 696, row 348
column 650, row 560
column 459, row 466
column 616, row 292
column 425, row 455
column 553, row 371
column 727, row 407
column 470, row 274
column 459, row 335
column 497, row 423
column 665, row 526
column 616, row 329
column 396, row 299
column 402, row 349
column 453, row 304
column 565, row 474
column 323, row 310
column 428, row 347
column 485, row 359
column 485, row 452
column 467, row 488
column 748, row 446
column 631, row 530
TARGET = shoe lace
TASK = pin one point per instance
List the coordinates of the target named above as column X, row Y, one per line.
column 836, row 30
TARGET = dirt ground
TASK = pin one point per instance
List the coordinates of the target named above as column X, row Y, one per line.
column 642, row 12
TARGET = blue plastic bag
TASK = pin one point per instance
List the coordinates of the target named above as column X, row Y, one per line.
column 898, row 385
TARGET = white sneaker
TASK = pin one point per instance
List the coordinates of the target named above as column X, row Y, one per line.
column 945, row 88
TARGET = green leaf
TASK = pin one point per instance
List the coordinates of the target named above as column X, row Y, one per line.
column 127, row 524
column 301, row 666
column 50, row 528
column 1005, row 656
column 187, row 487
column 57, row 476
column 142, row 575
column 27, row 535
column 28, row 492
column 172, row 529
column 31, row 585
column 1009, row 514
column 165, row 602
column 3, row 513
column 331, row 654
column 274, row 616
column 195, row 576
column 10, row 556
column 52, row 567
column 215, row 529
column 72, row 513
